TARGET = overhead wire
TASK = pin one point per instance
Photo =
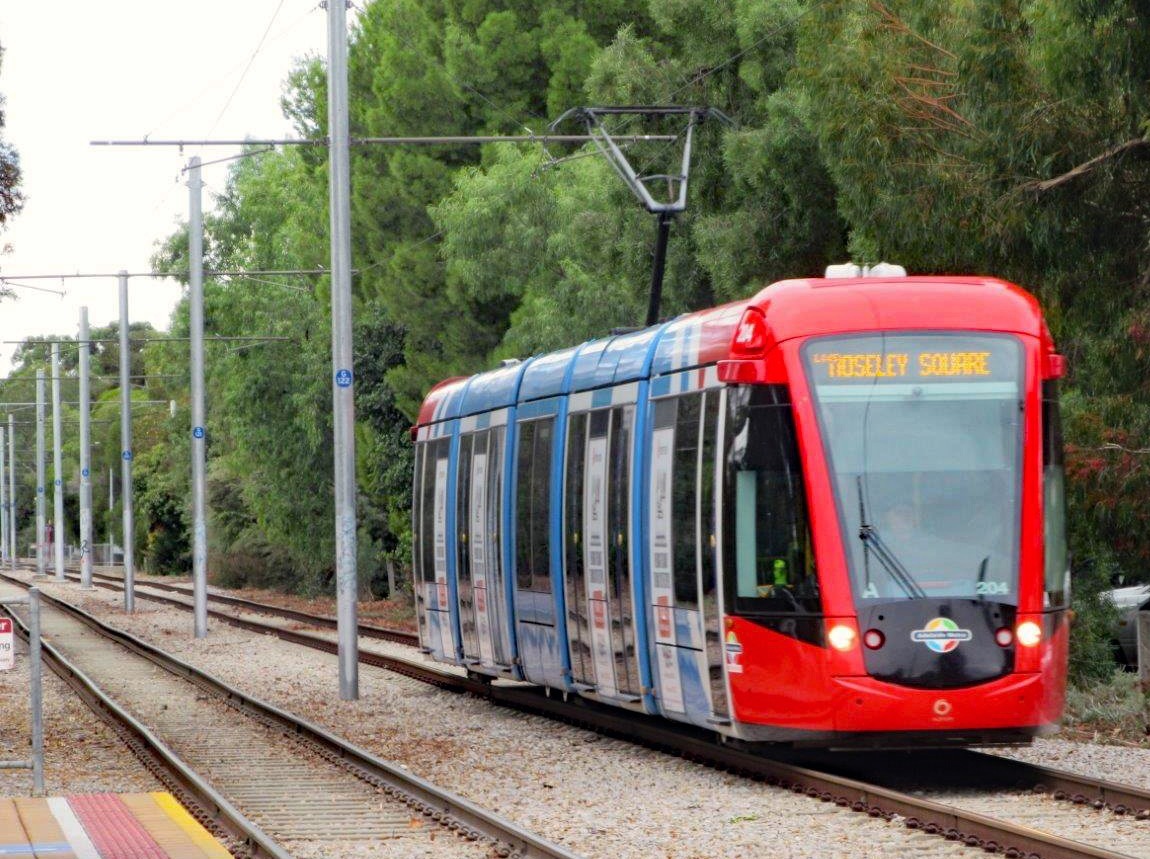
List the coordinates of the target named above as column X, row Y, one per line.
column 247, row 68
column 695, row 79
column 227, row 75
column 164, row 199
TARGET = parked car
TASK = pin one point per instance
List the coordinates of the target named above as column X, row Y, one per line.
column 1129, row 602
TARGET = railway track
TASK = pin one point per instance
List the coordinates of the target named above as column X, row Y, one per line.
column 269, row 783
column 115, row 582
column 846, row 780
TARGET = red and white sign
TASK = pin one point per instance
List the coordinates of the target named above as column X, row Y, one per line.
column 7, row 647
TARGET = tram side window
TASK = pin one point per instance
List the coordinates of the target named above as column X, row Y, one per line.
column 416, row 513
column 432, row 453
column 462, row 509
column 573, row 513
column 533, row 506
column 769, row 564
column 1054, row 500
column 707, row 490
column 685, row 500
column 494, row 501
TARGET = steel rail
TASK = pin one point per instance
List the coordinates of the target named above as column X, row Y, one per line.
column 1098, row 793
column 971, row 828
column 1082, row 790
column 440, row 805
column 932, row 817
column 205, row 803
column 366, row 630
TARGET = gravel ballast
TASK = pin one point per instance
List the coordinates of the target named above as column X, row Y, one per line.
column 599, row 797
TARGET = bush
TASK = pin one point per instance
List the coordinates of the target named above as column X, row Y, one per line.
column 1095, row 619
column 253, row 562
column 1116, row 708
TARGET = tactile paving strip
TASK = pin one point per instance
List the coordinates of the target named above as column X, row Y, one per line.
column 103, row 826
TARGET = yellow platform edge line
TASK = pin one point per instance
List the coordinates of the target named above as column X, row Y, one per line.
column 195, row 831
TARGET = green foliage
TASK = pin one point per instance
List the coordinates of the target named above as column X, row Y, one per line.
column 268, row 400
column 991, row 136
column 385, row 455
column 1095, row 619
column 20, row 387
column 11, row 196
column 1106, row 459
column 1115, row 707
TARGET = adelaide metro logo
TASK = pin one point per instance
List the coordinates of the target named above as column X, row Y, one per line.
column 941, row 635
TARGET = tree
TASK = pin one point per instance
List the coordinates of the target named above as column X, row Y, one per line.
column 11, row 197
column 995, row 136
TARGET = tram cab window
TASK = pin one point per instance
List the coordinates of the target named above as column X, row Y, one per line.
column 768, row 560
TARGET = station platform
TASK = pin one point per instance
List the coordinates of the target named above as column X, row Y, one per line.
column 103, row 826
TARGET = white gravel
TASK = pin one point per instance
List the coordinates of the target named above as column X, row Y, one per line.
column 1127, row 765
column 599, row 797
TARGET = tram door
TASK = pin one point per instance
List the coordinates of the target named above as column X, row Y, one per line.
column 600, row 627
column 480, row 590
column 686, row 630
column 436, row 633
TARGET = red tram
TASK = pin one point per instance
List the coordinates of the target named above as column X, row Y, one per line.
column 831, row 514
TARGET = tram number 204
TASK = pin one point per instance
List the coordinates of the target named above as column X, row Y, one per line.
column 992, row 589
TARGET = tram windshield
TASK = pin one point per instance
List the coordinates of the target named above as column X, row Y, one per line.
column 923, row 436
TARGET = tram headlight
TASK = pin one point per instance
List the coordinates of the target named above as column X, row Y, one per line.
column 874, row 639
column 842, row 637
column 1004, row 636
column 1028, row 633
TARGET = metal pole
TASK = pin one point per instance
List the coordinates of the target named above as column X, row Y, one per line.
column 343, row 401
column 40, row 518
column 1142, row 647
column 36, row 678
column 35, row 689
column 126, row 448
column 662, row 236
column 4, row 551
column 6, row 548
column 199, row 441
column 12, row 484
column 85, row 454
column 111, row 507
column 57, row 467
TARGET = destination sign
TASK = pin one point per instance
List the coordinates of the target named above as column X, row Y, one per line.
column 913, row 358
column 894, row 365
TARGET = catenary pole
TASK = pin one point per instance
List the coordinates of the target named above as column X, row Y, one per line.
column 12, row 484
column 85, row 453
column 111, row 507
column 58, row 529
column 199, row 440
column 343, row 402
column 4, row 531
column 40, row 518
column 126, row 449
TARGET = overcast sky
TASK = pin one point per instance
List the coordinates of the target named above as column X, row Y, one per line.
column 75, row 71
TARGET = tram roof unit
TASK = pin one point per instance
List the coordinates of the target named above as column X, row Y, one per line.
column 799, row 308
column 546, row 374
column 791, row 308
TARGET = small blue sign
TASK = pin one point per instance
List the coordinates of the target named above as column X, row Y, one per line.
column 85, row 473
column 343, row 378
column 126, row 456
column 57, row 482
column 197, row 432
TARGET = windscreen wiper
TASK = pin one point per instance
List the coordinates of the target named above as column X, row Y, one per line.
column 872, row 542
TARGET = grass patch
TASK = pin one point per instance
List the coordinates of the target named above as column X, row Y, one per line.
column 1112, row 710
